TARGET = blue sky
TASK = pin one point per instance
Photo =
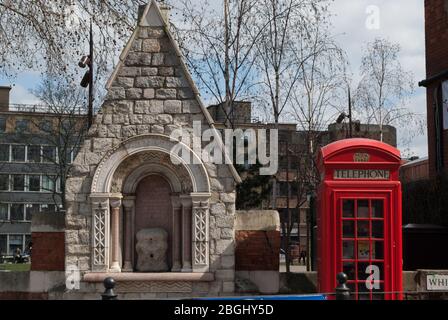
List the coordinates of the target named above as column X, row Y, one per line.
column 401, row 21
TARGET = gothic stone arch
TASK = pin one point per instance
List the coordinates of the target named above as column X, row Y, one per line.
column 115, row 181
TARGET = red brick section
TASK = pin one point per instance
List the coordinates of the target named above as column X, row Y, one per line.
column 257, row 250
column 436, row 25
column 48, row 251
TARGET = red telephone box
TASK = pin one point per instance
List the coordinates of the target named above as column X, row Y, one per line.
column 359, row 218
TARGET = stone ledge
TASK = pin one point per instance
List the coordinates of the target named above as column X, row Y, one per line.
column 134, row 276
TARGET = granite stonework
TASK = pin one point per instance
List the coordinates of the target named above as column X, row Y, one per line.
column 150, row 94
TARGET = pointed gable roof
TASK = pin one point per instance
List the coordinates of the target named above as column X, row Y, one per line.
column 153, row 17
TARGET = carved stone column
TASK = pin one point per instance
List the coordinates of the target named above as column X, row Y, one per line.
column 186, row 233
column 177, row 233
column 100, row 232
column 128, row 204
column 200, row 232
column 115, row 203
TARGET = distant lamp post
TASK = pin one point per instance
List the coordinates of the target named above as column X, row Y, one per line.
column 348, row 116
column 87, row 80
column 309, row 231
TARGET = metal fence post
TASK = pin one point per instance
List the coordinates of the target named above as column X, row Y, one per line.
column 342, row 291
column 109, row 294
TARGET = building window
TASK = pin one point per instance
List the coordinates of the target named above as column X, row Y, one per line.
column 3, row 212
column 46, row 126
column 33, row 154
column 74, row 153
column 4, row 152
column 31, row 209
column 17, row 212
column 3, row 244
column 48, row 208
column 48, row 183
column 33, row 183
column 4, row 182
column 18, row 182
column 49, row 154
column 27, row 243
column 18, row 153
column 15, row 242
column 2, row 124
column 22, row 126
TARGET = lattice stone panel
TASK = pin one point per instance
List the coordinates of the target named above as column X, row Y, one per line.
column 200, row 220
column 100, row 235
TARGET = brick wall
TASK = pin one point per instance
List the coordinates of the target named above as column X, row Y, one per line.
column 436, row 24
column 257, row 250
column 48, row 251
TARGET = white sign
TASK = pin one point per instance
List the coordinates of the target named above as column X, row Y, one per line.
column 445, row 104
column 437, row 282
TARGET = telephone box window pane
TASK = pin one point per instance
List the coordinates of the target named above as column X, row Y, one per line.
column 363, row 229
column 348, row 229
column 348, row 250
column 363, row 209
column 378, row 250
column 363, row 250
column 377, row 229
column 377, row 208
column 362, row 274
column 378, row 267
column 349, row 270
column 348, row 208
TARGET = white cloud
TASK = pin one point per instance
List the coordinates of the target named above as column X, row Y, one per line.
column 401, row 21
column 21, row 95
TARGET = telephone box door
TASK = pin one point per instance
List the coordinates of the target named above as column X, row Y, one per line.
column 363, row 235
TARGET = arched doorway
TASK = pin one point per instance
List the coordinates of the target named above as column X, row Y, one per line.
column 153, row 209
column 114, row 193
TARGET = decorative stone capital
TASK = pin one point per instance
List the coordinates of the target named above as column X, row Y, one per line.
column 115, row 203
column 115, row 200
column 186, row 201
column 176, row 201
column 128, row 202
column 200, row 199
column 99, row 198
